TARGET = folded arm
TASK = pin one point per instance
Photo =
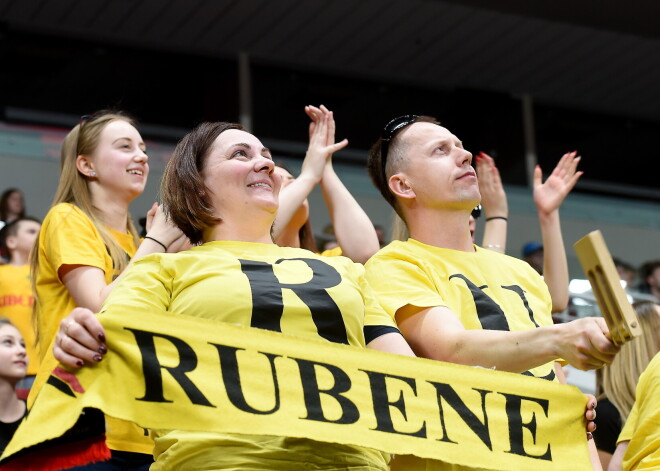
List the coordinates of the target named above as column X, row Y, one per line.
column 437, row 333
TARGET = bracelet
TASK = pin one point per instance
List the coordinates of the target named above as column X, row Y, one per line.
column 157, row 241
column 494, row 246
column 504, row 218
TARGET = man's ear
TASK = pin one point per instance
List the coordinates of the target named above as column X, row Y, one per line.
column 85, row 165
column 401, row 187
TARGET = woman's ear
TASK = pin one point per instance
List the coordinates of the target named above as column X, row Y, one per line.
column 85, row 166
column 401, row 187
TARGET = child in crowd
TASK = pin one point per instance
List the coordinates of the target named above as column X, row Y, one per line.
column 12, row 207
column 16, row 298
column 13, row 366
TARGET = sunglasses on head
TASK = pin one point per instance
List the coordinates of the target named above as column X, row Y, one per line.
column 389, row 131
column 84, row 119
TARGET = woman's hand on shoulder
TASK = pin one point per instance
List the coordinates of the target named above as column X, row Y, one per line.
column 80, row 340
column 161, row 228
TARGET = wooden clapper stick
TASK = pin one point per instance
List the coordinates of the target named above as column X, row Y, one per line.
column 598, row 265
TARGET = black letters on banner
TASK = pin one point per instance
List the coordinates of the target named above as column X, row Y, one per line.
column 446, row 392
column 267, row 304
column 381, row 403
column 232, row 379
column 312, row 393
column 513, row 405
column 151, row 368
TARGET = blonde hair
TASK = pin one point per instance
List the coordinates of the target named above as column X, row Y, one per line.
column 619, row 380
column 73, row 187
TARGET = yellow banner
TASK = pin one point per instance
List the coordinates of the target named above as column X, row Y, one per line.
column 165, row 371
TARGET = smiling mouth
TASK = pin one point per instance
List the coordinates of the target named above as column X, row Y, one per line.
column 260, row 185
column 135, row 172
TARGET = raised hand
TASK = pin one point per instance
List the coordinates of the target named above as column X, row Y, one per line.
column 493, row 197
column 321, row 136
column 549, row 195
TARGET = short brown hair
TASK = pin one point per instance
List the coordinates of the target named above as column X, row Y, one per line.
column 11, row 230
column 185, row 197
column 396, row 153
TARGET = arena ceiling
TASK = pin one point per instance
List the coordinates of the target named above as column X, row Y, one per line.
column 593, row 55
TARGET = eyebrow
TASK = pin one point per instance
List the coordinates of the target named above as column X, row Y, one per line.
column 457, row 142
column 141, row 143
column 249, row 147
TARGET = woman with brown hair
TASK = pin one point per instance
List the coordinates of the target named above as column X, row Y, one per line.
column 221, row 190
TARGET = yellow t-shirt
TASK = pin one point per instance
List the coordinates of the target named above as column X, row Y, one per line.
column 485, row 289
column 69, row 237
column 16, row 305
column 336, row 252
column 284, row 289
column 642, row 427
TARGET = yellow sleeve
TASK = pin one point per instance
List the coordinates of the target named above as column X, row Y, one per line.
column 643, row 425
column 398, row 283
column 375, row 315
column 70, row 238
column 336, row 252
column 630, row 425
column 147, row 285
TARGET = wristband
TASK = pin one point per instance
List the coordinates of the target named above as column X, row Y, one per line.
column 157, row 241
column 497, row 217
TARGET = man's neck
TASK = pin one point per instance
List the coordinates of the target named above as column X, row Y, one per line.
column 446, row 229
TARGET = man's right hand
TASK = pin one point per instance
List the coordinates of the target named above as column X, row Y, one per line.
column 585, row 343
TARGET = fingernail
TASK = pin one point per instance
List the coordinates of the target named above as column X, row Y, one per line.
column 589, row 436
column 97, row 358
column 593, row 405
column 102, row 350
column 101, row 337
column 80, row 363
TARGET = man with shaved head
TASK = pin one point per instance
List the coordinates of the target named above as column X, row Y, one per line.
column 452, row 300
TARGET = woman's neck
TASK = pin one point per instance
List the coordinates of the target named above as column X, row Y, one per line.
column 244, row 231
column 11, row 407
column 113, row 213
column 11, row 217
